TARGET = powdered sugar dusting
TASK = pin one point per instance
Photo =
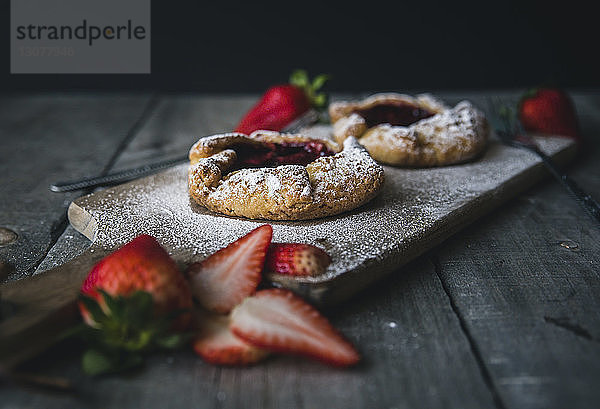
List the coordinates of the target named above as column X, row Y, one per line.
column 450, row 136
column 327, row 186
column 254, row 181
column 273, row 184
column 413, row 209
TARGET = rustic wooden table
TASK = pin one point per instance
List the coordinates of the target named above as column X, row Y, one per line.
column 506, row 314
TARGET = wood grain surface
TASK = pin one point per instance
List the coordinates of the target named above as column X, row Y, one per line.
column 502, row 315
column 50, row 137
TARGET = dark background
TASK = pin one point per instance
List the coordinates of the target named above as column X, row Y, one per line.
column 365, row 46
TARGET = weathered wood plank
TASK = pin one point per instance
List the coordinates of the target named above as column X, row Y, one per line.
column 179, row 121
column 44, row 139
column 525, row 282
column 531, row 305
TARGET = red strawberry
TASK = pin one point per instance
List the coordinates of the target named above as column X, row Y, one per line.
column 216, row 344
column 549, row 111
column 278, row 320
column 281, row 104
column 297, row 259
column 130, row 299
column 224, row 279
column 140, row 265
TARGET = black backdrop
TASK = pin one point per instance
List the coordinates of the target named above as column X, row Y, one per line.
column 365, row 46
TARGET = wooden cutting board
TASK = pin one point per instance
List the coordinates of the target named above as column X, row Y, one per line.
column 416, row 210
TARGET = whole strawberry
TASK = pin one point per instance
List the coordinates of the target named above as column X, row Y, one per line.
column 549, row 111
column 132, row 301
column 281, row 104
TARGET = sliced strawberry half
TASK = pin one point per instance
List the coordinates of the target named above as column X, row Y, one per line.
column 296, row 259
column 224, row 279
column 280, row 321
column 216, row 344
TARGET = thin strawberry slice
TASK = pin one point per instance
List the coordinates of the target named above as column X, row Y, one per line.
column 280, row 321
column 216, row 344
column 224, row 279
column 296, row 259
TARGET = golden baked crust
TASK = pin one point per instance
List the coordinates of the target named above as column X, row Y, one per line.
column 327, row 186
column 448, row 136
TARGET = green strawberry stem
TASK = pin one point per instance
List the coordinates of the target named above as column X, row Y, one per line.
column 529, row 93
column 318, row 100
column 125, row 329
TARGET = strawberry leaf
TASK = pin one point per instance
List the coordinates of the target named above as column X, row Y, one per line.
column 320, row 99
column 530, row 93
column 138, row 308
column 94, row 362
column 97, row 362
column 94, row 308
column 301, row 79
column 129, row 329
column 113, row 306
column 319, row 81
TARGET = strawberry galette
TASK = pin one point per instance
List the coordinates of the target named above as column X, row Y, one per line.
column 275, row 176
column 401, row 130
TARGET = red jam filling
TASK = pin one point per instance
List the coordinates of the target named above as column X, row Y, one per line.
column 393, row 113
column 277, row 154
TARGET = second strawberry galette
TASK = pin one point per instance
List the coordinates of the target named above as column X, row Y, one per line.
column 274, row 176
column 401, row 130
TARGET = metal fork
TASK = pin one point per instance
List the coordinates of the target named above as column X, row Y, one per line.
column 309, row 118
column 510, row 131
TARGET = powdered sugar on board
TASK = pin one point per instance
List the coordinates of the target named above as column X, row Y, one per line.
column 416, row 208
